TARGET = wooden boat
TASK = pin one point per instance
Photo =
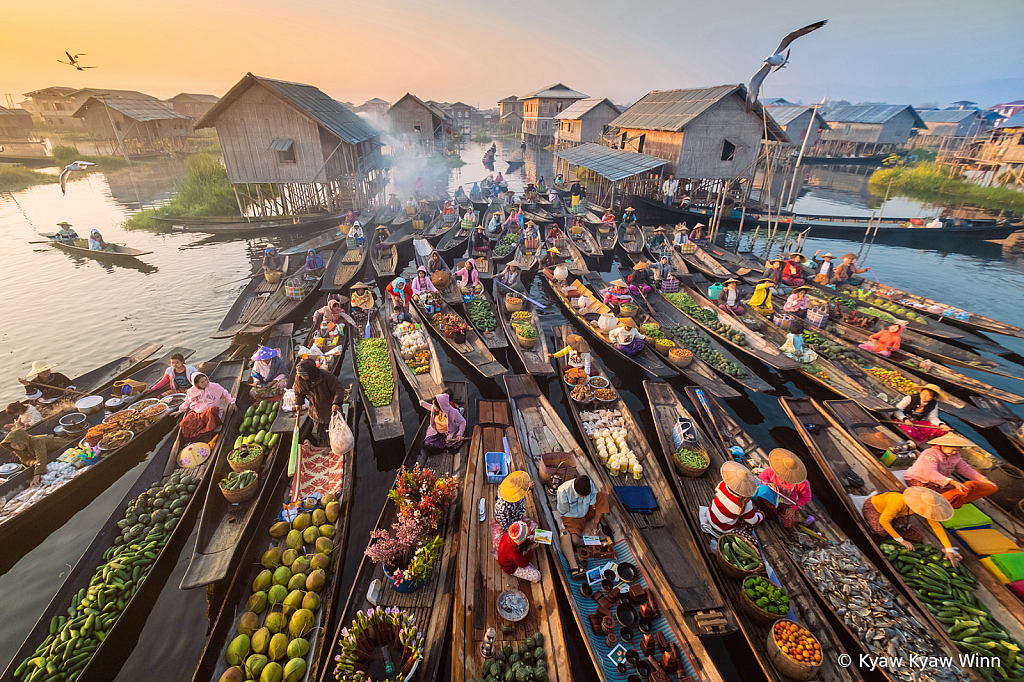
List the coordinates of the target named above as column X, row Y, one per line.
column 222, row 524
column 495, row 338
column 835, row 452
column 607, row 240
column 509, row 243
column 109, row 654
column 451, row 293
column 282, row 302
column 332, row 237
column 698, row 371
column 456, row 237
column 667, row 409
column 632, row 243
column 700, row 260
column 799, row 546
column 535, row 359
column 473, row 350
column 431, row 605
column 527, row 258
column 672, row 545
column 587, row 243
column 934, row 310
column 280, row 491
column 1012, row 427
column 422, row 226
column 577, row 264
column 436, row 228
column 480, row 579
column 541, row 431
column 424, row 386
column 115, row 252
column 249, row 303
column 240, row 225
column 539, row 216
column 679, row 269
column 647, row 359
column 344, row 268
column 385, row 420
column 494, row 207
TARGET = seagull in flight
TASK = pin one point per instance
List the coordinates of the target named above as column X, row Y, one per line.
column 776, row 60
column 73, row 61
column 75, row 166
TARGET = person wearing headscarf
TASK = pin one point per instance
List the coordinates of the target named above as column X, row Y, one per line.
column 435, row 263
column 626, row 337
column 785, row 474
column 793, row 270
column 761, row 299
column 42, row 383
column 468, row 218
column 732, row 502
column 662, row 270
column 884, row 342
column 33, row 451
column 203, row 407
column 515, row 552
column 460, row 193
column 445, row 429
column 890, row 514
column 511, row 276
column 796, row 304
column 934, row 469
column 177, row 378
column 332, row 312
column 401, row 294
column 356, row 232
column 96, row 242
column 448, row 208
column 641, row 280
column 468, row 275
column 576, row 352
column 919, row 413
column 609, row 218
column 324, row 392
column 272, row 261
column 314, row 261
column 268, row 369
column 421, row 284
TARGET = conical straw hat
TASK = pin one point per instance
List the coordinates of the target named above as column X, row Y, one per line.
column 928, row 503
column 787, row 466
column 738, row 479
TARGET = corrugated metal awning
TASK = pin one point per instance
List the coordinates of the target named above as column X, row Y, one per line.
column 612, row 164
column 280, row 145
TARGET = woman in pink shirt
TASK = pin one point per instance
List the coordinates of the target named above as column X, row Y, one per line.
column 202, row 407
column 786, row 474
column 469, row 276
column 935, row 467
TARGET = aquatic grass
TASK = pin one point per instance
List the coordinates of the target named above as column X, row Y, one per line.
column 204, row 190
column 14, row 178
column 481, row 136
column 64, row 154
column 935, row 184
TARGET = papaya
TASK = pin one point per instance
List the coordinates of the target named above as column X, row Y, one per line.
column 259, row 437
column 274, row 438
column 250, row 412
column 238, row 442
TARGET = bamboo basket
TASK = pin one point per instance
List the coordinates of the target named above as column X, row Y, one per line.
column 689, row 471
column 526, row 343
column 798, row 670
column 273, row 276
column 736, row 571
column 242, row 495
column 251, row 465
column 756, row 612
column 683, row 361
column 628, row 309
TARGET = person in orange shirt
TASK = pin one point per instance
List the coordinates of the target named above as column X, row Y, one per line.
column 890, row 514
column 884, row 342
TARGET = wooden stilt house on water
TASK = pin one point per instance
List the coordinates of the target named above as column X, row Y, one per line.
column 316, row 154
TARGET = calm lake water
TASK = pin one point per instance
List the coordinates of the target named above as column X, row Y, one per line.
column 78, row 312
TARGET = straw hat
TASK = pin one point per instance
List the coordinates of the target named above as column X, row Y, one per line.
column 630, row 210
column 850, row 255
column 738, row 479
column 766, row 279
column 934, row 389
column 515, row 486
column 38, row 367
column 641, row 265
column 731, row 280
column 64, row 224
column 513, row 264
column 796, row 255
column 554, row 250
column 360, row 285
column 829, row 256
column 681, row 228
column 660, row 229
column 928, row 503
column 954, row 440
column 802, row 288
column 787, row 466
column 619, row 283
column 627, row 322
column 699, row 225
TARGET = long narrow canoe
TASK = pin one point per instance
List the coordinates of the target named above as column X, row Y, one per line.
column 383, row 257
column 431, row 604
column 666, row 410
column 485, row 220
column 835, row 452
column 344, row 267
column 480, row 579
column 249, row 304
column 805, row 554
column 495, row 338
column 632, row 243
column 428, row 384
column 222, row 524
column 280, row 304
column 1012, row 428
column 541, row 431
column 535, row 359
column 679, row 268
column 385, row 420
column 409, row 230
column 671, row 544
column 114, row 252
column 587, row 243
column 577, row 263
column 647, row 359
column 451, row 293
column 702, row 261
column 280, row 491
column 473, row 350
column 456, row 237
column 528, row 258
column 330, row 238
column 107, row 656
column 607, row 240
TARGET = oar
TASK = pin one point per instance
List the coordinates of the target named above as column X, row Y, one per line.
column 69, row 392
column 707, row 408
column 539, row 305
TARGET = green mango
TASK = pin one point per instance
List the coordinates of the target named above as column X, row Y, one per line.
column 238, row 650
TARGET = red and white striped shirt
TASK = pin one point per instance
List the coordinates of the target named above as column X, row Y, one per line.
column 725, row 510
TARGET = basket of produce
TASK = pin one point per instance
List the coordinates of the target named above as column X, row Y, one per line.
column 680, row 357
column 249, row 459
column 763, row 600
column 239, row 486
column 574, row 376
column 582, row 394
column 561, row 464
column 115, row 439
column 663, row 346
column 526, row 335
column 691, row 460
column 605, row 395
column 513, row 304
column 737, row 557
column 628, row 310
column 649, row 328
column 793, row 650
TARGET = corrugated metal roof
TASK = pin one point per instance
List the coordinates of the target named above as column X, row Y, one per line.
column 947, row 115
column 870, row 113
column 510, row 98
column 580, row 108
column 52, row 91
column 208, row 99
column 121, row 94
column 14, row 112
column 613, row 164
column 141, row 110
column 1015, row 121
column 784, row 114
column 554, row 90
column 673, row 110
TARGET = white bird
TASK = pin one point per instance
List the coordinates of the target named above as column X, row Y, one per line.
column 75, row 166
column 776, row 61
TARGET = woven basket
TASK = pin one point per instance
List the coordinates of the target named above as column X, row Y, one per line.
column 527, row 343
column 663, row 350
column 735, row 571
column 513, row 307
column 683, row 361
column 797, row 670
column 273, row 276
column 251, row 465
column 562, row 463
column 689, row 471
column 756, row 612
column 628, row 309
column 243, row 494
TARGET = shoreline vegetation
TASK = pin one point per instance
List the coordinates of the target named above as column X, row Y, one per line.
column 934, row 184
column 204, row 190
column 14, row 178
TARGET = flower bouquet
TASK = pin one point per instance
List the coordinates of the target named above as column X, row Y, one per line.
column 389, row 629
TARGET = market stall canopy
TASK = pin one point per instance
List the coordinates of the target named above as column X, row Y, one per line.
column 611, row 164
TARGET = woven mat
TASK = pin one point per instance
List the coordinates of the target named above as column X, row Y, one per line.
column 318, row 471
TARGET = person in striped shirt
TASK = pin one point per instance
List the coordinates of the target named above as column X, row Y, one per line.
column 732, row 501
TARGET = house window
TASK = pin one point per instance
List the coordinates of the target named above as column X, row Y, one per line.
column 416, row 126
column 285, row 150
column 728, row 150
column 117, row 126
column 60, row 121
column 640, row 144
column 622, row 141
column 558, row 107
column 846, row 130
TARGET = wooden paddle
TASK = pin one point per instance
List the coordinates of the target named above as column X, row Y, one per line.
column 68, row 391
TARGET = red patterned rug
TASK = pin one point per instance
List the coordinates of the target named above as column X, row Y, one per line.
column 318, row 471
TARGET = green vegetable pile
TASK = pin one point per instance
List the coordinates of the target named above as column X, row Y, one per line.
column 74, row 638
column 259, row 418
column 948, row 593
column 739, row 553
column 374, row 366
column 831, row 350
column 481, row 314
column 507, row 244
column 236, row 481
column 527, row 664
column 686, row 303
column 694, row 459
column 766, row 595
column 526, row 331
column 871, row 312
column 699, row 346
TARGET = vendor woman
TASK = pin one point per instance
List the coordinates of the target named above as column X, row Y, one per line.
column 447, row 425
column 641, row 280
column 884, row 342
column 732, row 502
column 273, row 262
column 511, row 276
column 203, row 407
column 401, row 294
column 480, row 244
column 578, row 352
column 934, row 469
column 515, row 552
column 626, row 337
column 729, row 298
column 658, row 242
column 421, row 284
column 761, row 299
column 890, row 514
column 269, row 371
column 662, row 270
column 332, row 312
column 796, row 304
column 552, row 259
column 786, row 474
column 793, row 270
column 468, row 275
column 617, row 293
column 314, row 261
column 362, row 297
column 919, row 413
column 33, row 451
column 177, row 377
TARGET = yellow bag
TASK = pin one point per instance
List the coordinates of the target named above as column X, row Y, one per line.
column 128, row 387
column 988, row 541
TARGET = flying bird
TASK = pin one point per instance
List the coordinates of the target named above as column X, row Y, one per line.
column 73, row 61
column 76, row 166
column 776, row 60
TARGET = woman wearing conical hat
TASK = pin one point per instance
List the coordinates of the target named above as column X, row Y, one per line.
column 787, row 475
column 935, row 467
column 891, row 514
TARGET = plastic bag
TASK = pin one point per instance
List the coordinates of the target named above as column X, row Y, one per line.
column 342, row 440
column 288, row 400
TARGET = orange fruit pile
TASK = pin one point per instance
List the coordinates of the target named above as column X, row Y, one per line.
column 796, row 642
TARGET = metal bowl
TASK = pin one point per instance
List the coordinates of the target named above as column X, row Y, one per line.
column 74, row 423
column 10, row 468
column 513, row 605
column 143, row 404
column 599, row 382
column 114, row 404
column 89, row 404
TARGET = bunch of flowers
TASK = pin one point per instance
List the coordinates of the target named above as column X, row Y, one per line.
column 371, row 630
column 423, row 495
